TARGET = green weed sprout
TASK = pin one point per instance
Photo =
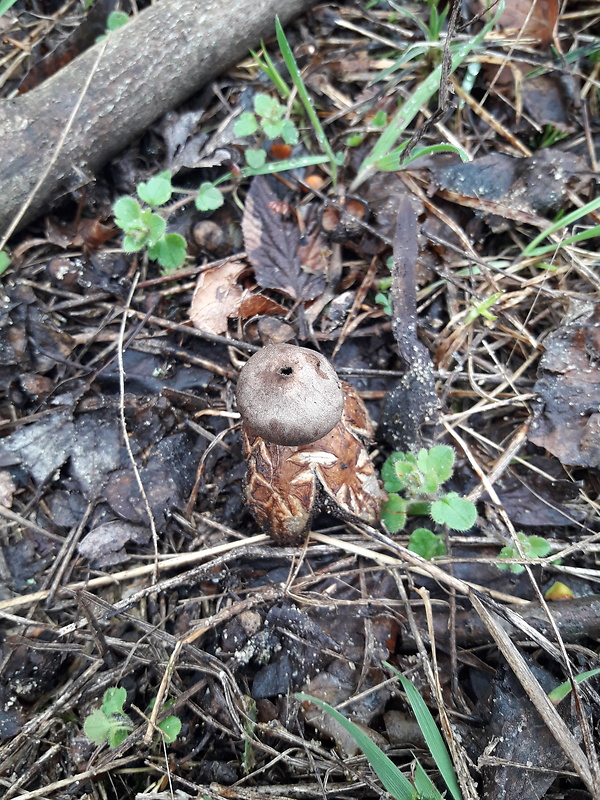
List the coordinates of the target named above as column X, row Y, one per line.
column 532, row 547
column 143, row 227
column 268, row 116
column 111, row 724
column 393, row 780
column 420, row 477
column 114, row 21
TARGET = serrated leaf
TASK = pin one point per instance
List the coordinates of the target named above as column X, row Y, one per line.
column 255, row 158
column 113, row 700
column 246, row 124
column 267, row 106
column 134, row 241
column 289, row 132
column 157, row 190
column 96, row 727
column 393, row 513
column 440, row 460
column 155, row 225
column 171, row 728
column 127, row 213
column 388, row 773
column 271, row 128
column 456, row 512
column 426, row 543
column 209, row 197
column 284, row 257
column 117, row 736
column 170, row 251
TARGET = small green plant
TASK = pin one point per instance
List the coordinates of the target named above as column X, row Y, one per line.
column 532, row 547
column 393, row 780
column 111, row 724
column 143, row 227
column 114, row 21
column 420, row 477
column 268, row 117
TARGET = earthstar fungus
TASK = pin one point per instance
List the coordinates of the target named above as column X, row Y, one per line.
column 304, row 434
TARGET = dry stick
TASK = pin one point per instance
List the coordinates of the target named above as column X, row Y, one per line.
column 136, row 572
column 28, row 201
column 152, row 64
column 538, row 696
column 134, row 466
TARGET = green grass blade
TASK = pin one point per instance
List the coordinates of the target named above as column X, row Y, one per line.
column 5, row 5
column 411, row 107
column 269, row 68
column 558, row 694
column 433, row 737
column 561, row 223
column 424, row 784
column 388, row 773
column 283, row 166
column 290, row 62
column 590, row 233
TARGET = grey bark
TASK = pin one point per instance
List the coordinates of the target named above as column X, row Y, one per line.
column 149, row 66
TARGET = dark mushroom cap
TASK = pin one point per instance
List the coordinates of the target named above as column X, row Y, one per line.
column 289, row 395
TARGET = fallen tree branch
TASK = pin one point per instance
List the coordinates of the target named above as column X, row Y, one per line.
column 150, row 65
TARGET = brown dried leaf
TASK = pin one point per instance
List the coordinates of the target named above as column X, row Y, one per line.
column 217, row 297
column 283, row 257
column 568, row 423
column 529, row 20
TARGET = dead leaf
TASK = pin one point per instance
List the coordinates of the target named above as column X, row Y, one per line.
column 567, row 423
column 531, row 21
column 284, row 257
column 105, row 545
column 217, row 297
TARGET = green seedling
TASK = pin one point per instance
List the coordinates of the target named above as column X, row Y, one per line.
column 114, row 21
column 437, row 18
column 268, row 118
column 393, row 780
column 111, row 724
column 483, row 309
column 531, row 546
column 269, row 68
column 144, row 228
column 420, row 477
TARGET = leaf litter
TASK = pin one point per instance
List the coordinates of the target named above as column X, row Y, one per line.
column 91, row 598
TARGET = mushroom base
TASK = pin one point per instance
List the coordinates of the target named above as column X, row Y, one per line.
column 286, row 486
